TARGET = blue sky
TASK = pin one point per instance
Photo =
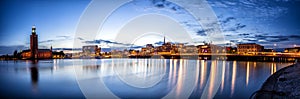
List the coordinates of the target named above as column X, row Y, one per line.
column 266, row 22
column 55, row 20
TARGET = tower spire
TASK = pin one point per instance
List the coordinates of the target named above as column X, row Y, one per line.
column 164, row 39
column 34, row 43
column 33, row 29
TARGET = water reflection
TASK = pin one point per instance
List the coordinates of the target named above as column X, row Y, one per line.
column 247, row 73
column 233, row 77
column 273, row 68
column 203, row 73
column 212, row 78
column 173, row 76
column 34, row 77
column 142, row 78
column 223, row 76
column 180, row 78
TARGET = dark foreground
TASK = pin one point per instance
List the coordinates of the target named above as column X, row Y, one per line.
column 284, row 84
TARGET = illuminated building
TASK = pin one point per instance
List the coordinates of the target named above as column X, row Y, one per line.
column 292, row 50
column 34, row 52
column 209, row 48
column 59, row 54
column 249, row 47
column 148, row 49
column 231, row 49
column 91, row 50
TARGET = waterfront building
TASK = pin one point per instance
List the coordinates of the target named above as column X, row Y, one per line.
column 91, row 50
column 57, row 55
column 149, row 49
column 186, row 49
column 231, row 49
column 248, row 48
column 292, row 50
column 210, row 48
column 166, row 47
column 34, row 52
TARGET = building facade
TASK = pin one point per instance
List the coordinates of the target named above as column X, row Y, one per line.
column 91, row 50
column 210, row 48
column 292, row 50
column 249, row 47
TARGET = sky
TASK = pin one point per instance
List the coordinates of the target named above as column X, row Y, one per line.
column 271, row 23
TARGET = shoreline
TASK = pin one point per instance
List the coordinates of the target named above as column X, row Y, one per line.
column 285, row 83
column 145, row 58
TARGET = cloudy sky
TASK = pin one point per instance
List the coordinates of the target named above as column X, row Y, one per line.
column 271, row 23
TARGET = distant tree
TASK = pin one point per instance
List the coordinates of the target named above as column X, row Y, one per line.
column 19, row 55
column 15, row 54
column 62, row 53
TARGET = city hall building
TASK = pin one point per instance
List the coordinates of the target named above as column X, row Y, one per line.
column 34, row 52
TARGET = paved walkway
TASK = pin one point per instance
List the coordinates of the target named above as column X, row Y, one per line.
column 284, row 84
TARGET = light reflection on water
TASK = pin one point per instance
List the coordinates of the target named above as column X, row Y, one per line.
column 155, row 78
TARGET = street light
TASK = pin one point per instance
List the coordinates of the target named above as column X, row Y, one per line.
column 274, row 47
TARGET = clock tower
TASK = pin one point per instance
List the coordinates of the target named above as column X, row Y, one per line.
column 34, row 43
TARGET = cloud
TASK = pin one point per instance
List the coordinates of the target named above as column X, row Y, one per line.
column 229, row 35
column 157, row 5
column 239, row 26
column 266, row 39
column 136, row 47
column 10, row 49
column 65, row 37
column 80, row 38
column 228, row 24
column 46, row 41
column 234, row 41
column 234, row 28
column 228, row 20
column 100, row 41
column 117, row 45
column 203, row 32
column 57, row 39
column 166, row 4
column 251, row 40
column 159, row 43
column 259, row 9
column 244, row 34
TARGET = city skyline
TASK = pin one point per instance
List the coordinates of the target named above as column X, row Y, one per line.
column 274, row 23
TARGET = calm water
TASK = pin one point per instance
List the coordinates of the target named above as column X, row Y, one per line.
column 133, row 78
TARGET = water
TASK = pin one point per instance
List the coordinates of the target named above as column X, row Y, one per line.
column 133, row 78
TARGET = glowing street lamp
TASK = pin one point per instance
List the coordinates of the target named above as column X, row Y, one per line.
column 274, row 47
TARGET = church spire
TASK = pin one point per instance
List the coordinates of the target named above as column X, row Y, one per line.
column 164, row 39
